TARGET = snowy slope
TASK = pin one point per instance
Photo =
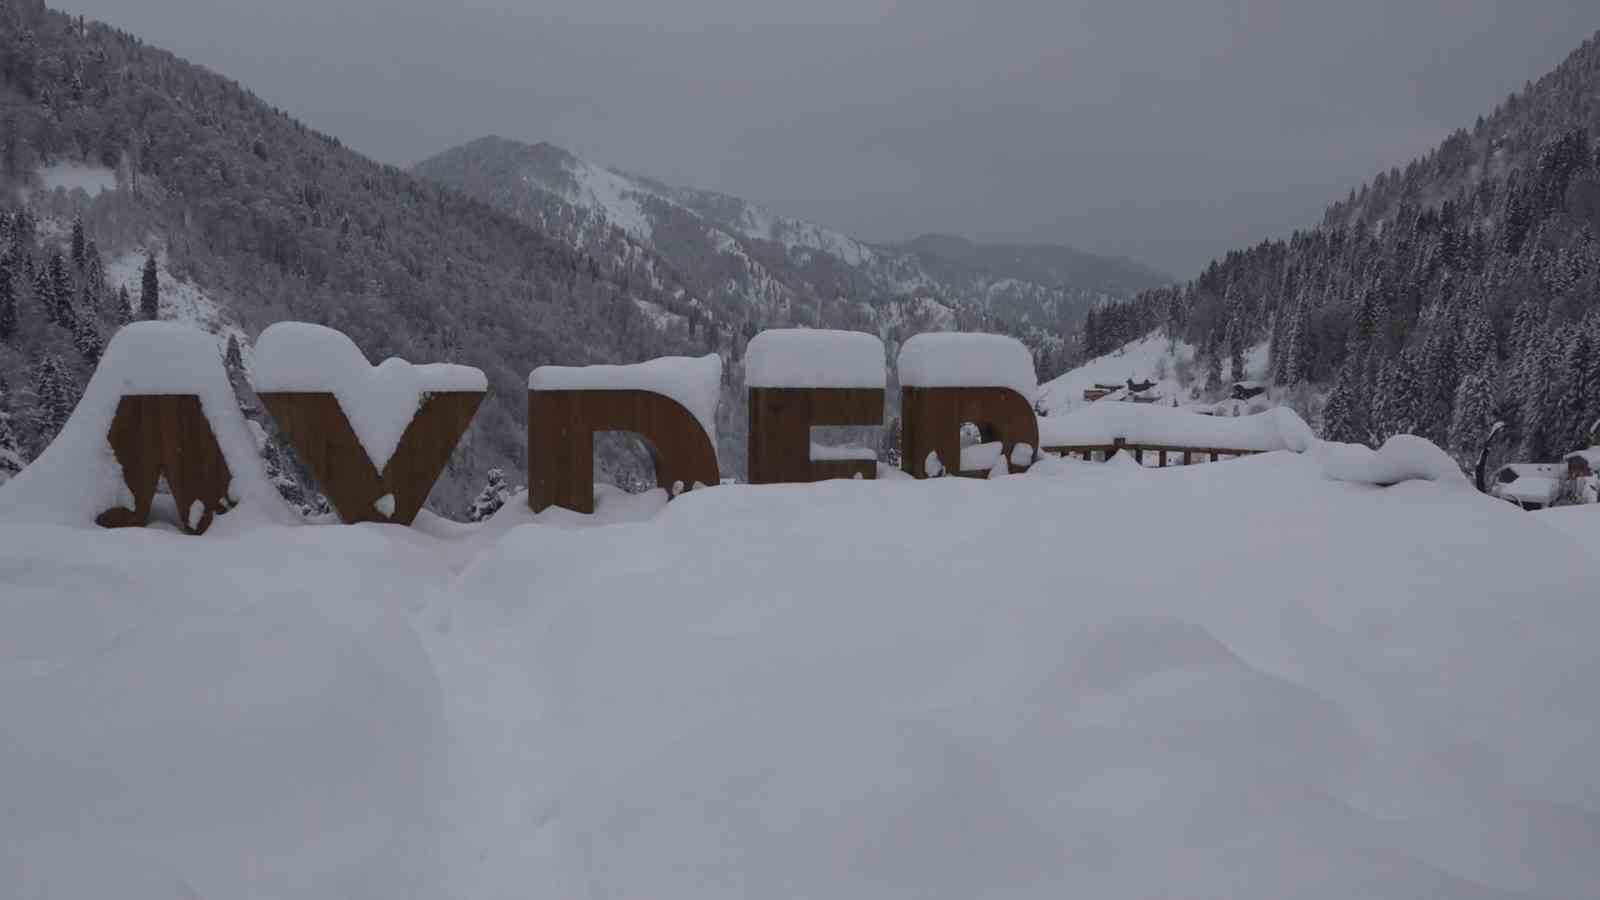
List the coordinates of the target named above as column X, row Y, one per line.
column 1151, row 358
column 848, row 690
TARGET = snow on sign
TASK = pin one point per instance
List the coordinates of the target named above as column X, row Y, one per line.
column 800, row 378
column 377, row 437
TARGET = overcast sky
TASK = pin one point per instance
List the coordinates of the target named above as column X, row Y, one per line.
column 1164, row 130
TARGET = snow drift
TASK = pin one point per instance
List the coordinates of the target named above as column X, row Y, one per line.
column 1239, row 680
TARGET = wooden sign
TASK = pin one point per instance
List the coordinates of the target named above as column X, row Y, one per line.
column 931, row 420
column 561, row 428
column 781, row 420
column 321, row 435
column 168, row 434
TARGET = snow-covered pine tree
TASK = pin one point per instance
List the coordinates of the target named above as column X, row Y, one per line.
column 61, row 292
column 44, row 291
column 1537, row 373
column 78, row 246
column 11, row 458
column 86, row 338
column 8, row 302
column 54, row 396
column 123, row 314
column 1579, row 371
column 1341, row 417
column 150, row 291
column 491, row 498
column 1474, row 409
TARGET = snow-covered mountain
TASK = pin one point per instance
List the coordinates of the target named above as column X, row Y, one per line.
column 740, row 256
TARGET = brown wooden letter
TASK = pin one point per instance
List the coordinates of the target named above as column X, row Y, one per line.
column 780, row 432
column 931, row 421
column 316, row 426
column 561, row 427
column 167, row 433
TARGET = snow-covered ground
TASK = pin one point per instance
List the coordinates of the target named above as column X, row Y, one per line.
column 72, row 176
column 182, row 301
column 952, row 688
column 1151, row 358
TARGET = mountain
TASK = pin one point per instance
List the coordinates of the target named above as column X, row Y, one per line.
column 112, row 152
column 742, row 259
column 1461, row 291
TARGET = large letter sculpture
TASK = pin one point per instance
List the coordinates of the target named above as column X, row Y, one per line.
column 670, row 402
column 799, row 378
column 375, row 438
column 154, row 434
column 949, row 379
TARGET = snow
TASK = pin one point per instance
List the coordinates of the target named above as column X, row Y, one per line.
column 616, row 196
column 814, row 358
column 73, row 176
column 181, row 300
column 932, row 465
column 820, row 452
column 960, row 688
column 958, row 359
column 1590, row 455
column 1140, row 360
column 1022, row 454
column 379, row 401
column 1404, row 457
column 384, row 505
column 980, row 457
column 77, row 477
column 1156, row 425
column 695, row 382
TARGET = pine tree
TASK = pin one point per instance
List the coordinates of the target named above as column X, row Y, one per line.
column 1341, row 418
column 150, row 291
column 1576, row 413
column 78, row 255
column 8, row 302
column 44, row 291
column 124, row 310
column 11, row 458
column 491, row 498
column 54, row 396
column 61, row 291
column 1474, row 409
column 86, row 338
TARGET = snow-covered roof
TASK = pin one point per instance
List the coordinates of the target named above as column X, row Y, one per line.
column 379, row 401
column 957, row 359
column 1143, row 423
column 695, row 382
column 814, row 358
column 1589, row 455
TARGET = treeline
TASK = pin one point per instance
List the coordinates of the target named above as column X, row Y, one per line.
column 1436, row 301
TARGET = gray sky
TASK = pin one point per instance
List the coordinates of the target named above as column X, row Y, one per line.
column 1164, row 130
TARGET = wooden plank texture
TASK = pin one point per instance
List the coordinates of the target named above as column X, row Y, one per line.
column 931, row 420
column 158, row 434
column 316, row 426
column 561, row 429
column 781, row 420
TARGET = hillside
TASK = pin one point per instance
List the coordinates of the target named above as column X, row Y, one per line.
column 743, row 259
column 1437, row 300
column 265, row 220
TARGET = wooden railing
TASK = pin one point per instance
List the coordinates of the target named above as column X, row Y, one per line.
column 1187, row 454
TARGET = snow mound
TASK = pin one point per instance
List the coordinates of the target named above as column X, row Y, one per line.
column 216, row 717
column 814, row 358
column 958, row 359
column 1152, row 424
column 78, row 477
column 695, row 382
column 379, row 401
column 1404, row 457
